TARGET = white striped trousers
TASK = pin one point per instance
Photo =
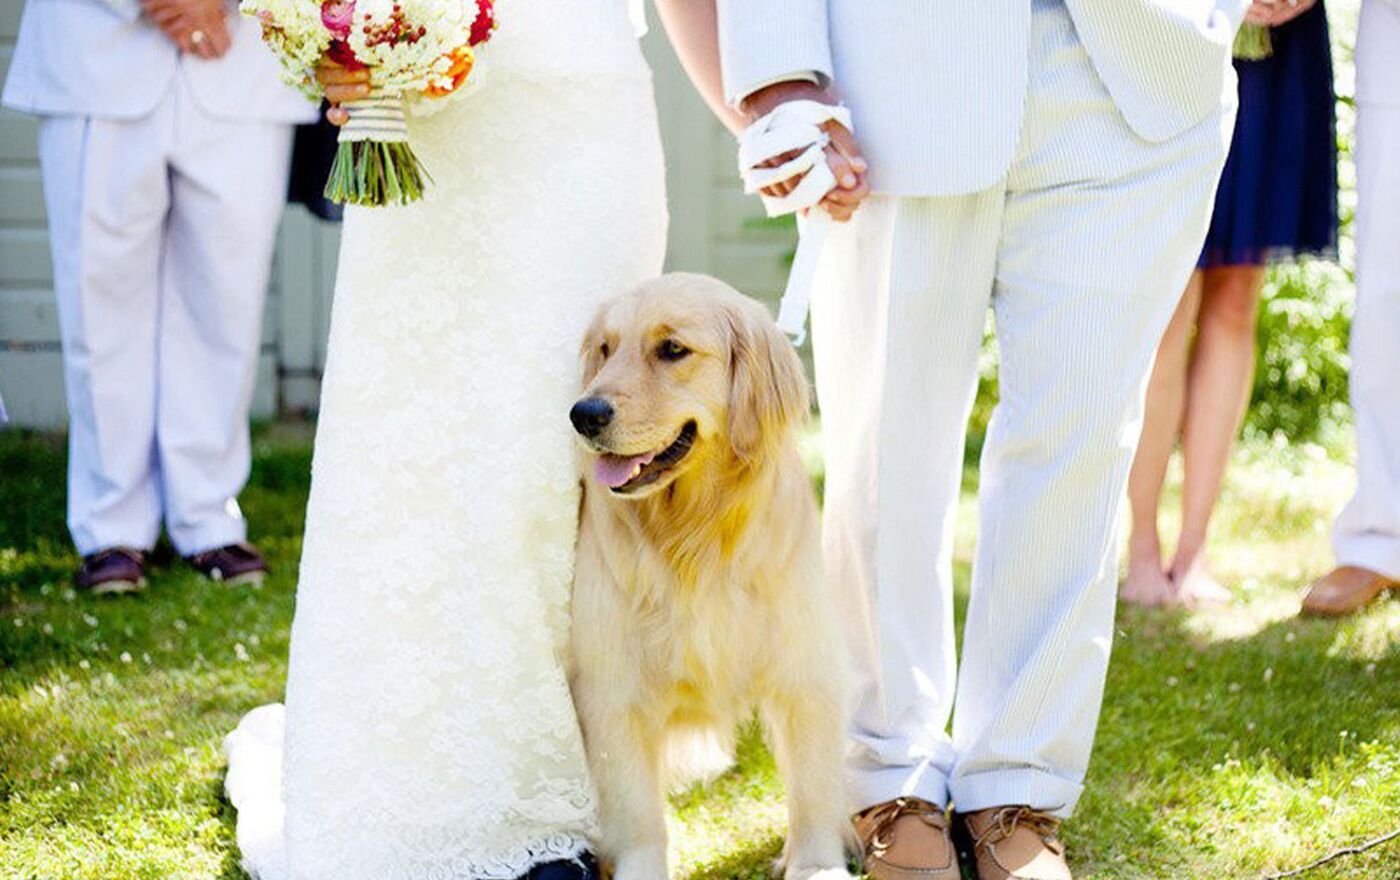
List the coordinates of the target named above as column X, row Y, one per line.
column 1367, row 533
column 1081, row 252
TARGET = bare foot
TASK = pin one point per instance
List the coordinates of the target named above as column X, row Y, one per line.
column 1196, row 587
column 1146, row 583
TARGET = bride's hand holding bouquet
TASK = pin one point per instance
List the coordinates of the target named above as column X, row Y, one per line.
column 377, row 60
column 1254, row 42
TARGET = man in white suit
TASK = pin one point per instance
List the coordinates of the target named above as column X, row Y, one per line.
column 1054, row 160
column 164, row 140
column 1366, row 538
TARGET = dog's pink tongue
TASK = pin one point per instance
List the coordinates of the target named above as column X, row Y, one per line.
column 615, row 470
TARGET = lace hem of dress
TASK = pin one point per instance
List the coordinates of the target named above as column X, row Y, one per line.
column 517, row 863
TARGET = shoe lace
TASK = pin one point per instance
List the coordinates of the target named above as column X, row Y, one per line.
column 883, row 817
column 241, row 550
column 1006, row 820
column 135, row 556
column 231, row 551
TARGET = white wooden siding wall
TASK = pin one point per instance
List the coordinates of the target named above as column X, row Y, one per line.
column 29, row 360
column 711, row 231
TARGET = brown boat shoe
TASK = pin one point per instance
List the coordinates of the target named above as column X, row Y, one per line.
column 112, row 571
column 1016, row 843
column 907, row 839
column 1345, row 590
column 233, row 564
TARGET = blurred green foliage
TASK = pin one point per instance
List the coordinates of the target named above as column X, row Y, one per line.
column 1300, row 384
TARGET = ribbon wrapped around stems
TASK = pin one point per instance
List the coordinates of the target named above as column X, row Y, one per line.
column 794, row 130
column 374, row 164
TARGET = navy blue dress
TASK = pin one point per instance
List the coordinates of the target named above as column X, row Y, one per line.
column 1278, row 194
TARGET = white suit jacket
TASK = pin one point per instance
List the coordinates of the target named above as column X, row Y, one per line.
column 103, row 58
column 937, row 87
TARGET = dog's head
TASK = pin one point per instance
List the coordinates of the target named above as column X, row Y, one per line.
column 682, row 371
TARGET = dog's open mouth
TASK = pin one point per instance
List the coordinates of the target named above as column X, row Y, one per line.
column 627, row 473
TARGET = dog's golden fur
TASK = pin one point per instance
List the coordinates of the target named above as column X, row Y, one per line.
column 701, row 595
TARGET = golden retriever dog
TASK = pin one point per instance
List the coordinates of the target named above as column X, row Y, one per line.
column 699, row 593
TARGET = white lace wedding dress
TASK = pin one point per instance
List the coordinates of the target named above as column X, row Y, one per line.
column 428, row 732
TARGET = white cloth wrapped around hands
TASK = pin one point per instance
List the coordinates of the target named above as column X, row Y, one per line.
column 794, row 127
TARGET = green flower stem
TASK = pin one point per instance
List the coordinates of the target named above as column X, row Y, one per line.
column 375, row 173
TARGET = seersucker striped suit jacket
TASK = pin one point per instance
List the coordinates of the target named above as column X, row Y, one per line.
column 937, row 87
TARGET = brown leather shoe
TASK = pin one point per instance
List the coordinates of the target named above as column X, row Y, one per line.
column 907, row 839
column 1345, row 590
column 1017, row 843
column 232, row 564
column 111, row 571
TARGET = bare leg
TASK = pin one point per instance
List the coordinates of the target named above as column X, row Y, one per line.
column 1218, row 385
column 1147, row 582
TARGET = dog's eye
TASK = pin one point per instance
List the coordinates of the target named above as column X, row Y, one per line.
column 604, row 350
column 671, row 350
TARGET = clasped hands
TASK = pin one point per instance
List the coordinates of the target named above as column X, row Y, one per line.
column 197, row 27
column 1272, row 13
column 843, row 154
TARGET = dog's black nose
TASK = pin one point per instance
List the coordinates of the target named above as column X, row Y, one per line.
column 591, row 415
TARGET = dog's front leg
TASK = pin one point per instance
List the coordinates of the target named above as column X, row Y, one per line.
column 806, row 726
column 623, row 755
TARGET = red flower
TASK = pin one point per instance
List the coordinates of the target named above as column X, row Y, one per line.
column 340, row 52
column 485, row 22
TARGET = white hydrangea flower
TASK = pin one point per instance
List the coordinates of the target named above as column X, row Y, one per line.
column 294, row 32
column 411, row 67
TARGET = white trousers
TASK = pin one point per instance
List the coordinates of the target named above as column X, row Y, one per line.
column 162, row 231
column 1367, row 533
column 1082, row 253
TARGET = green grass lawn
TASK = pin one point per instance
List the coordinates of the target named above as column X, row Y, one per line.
column 1233, row 742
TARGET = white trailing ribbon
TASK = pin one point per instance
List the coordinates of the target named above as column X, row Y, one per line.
column 794, row 127
column 380, row 118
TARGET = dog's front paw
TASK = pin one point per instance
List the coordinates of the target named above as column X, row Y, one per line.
column 642, row 863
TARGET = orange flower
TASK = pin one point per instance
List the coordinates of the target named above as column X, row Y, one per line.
column 462, row 61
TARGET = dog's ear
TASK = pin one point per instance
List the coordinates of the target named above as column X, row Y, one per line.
column 590, row 354
column 768, row 388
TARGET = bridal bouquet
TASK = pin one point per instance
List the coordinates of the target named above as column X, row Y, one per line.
column 418, row 52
